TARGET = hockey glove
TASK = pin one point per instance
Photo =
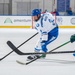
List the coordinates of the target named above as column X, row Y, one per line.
column 72, row 38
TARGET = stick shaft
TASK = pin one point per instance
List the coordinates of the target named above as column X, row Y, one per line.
column 60, row 46
column 18, row 46
column 19, row 52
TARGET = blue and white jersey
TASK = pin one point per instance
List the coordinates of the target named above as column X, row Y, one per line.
column 46, row 23
column 47, row 29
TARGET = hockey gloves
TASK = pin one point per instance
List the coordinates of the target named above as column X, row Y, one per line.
column 72, row 38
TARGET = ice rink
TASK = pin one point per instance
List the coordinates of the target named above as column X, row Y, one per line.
column 53, row 64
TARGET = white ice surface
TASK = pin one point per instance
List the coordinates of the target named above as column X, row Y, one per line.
column 56, row 64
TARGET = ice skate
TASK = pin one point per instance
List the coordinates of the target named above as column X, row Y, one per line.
column 31, row 57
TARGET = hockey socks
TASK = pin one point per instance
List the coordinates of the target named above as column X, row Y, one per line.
column 74, row 54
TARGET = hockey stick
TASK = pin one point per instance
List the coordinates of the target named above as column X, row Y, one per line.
column 15, row 49
column 72, row 39
column 44, row 53
column 50, row 52
column 18, row 46
column 50, row 60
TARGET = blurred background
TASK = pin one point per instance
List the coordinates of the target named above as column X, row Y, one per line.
column 24, row 7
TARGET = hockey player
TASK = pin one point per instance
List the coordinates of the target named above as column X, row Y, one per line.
column 47, row 29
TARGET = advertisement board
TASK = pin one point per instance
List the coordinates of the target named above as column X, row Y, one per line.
column 15, row 21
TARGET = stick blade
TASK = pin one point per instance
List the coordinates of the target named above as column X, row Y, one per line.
column 13, row 47
column 19, row 62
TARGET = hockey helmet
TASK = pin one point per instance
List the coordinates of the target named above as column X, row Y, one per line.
column 36, row 12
